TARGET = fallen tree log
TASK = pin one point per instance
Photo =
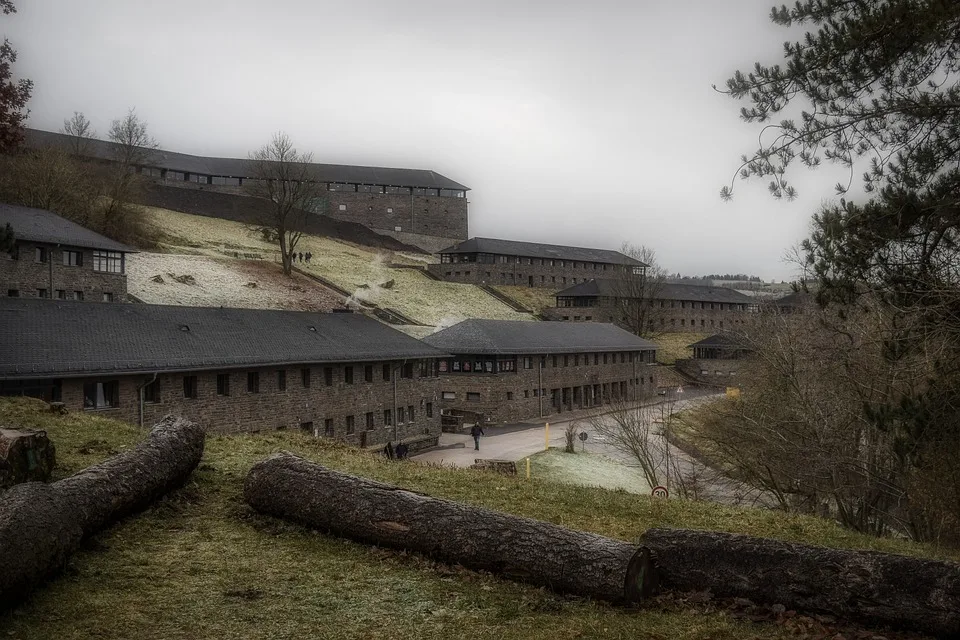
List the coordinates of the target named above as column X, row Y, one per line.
column 518, row 548
column 864, row 586
column 42, row 524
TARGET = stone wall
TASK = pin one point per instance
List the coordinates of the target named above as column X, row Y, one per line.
column 571, row 381
column 25, row 275
column 525, row 272
column 688, row 318
column 297, row 407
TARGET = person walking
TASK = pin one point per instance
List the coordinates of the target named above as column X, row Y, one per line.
column 476, row 432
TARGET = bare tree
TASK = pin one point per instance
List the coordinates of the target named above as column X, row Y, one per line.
column 133, row 147
column 52, row 179
column 284, row 177
column 80, row 131
column 635, row 291
column 637, row 430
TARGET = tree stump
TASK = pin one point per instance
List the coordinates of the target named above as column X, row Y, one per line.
column 25, row 456
column 42, row 524
column 864, row 586
column 518, row 548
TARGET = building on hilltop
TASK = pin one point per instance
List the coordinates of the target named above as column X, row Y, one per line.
column 676, row 307
column 513, row 370
column 529, row 264
column 420, row 207
column 338, row 375
column 55, row 258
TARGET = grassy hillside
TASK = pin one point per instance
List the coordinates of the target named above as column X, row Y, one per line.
column 675, row 346
column 358, row 270
column 534, row 298
column 201, row 564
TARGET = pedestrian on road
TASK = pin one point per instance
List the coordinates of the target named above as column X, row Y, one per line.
column 301, row 257
column 476, row 432
column 308, row 256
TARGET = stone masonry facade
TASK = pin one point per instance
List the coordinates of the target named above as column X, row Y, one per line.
column 564, row 383
column 524, row 272
column 352, row 402
column 38, row 270
column 671, row 316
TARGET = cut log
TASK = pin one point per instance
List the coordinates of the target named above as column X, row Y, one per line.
column 863, row 586
column 42, row 524
column 26, row 455
column 517, row 548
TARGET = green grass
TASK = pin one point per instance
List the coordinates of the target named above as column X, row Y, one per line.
column 200, row 563
column 587, row 469
column 534, row 298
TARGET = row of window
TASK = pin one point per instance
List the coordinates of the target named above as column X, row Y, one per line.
column 601, row 390
column 61, row 294
column 103, row 261
column 490, row 258
column 509, row 276
column 479, row 364
column 405, row 415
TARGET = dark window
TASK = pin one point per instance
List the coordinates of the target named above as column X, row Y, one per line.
column 151, row 392
column 401, row 415
column 43, row 293
column 13, row 293
column 473, row 395
column 101, row 395
column 107, row 296
column 368, row 373
column 78, row 295
column 566, row 361
column 305, row 376
column 369, row 420
column 61, row 294
column 328, row 427
column 410, row 413
column 348, row 375
column 41, row 254
column 307, row 427
column 604, row 358
column 253, row 382
column 387, row 417
column 282, row 380
column 596, row 358
column 350, row 424
column 108, row 261
column 328, row 376
column 386, row 372
column 72, row 258
column 576, row 360
column 429, row 409
column 509, row 395
column 407, row 371
column 554, row 362
column 223, row 384
column 189, row 386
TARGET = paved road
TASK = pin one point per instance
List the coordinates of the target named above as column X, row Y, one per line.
column 516, row 442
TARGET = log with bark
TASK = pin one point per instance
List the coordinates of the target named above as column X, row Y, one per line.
column 865, row 586
column 518, row 548
column 42, row 524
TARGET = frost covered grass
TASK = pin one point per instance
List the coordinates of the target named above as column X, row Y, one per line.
column 534, row 298
column 200, row 564
column 587, row 469
column 675, row 346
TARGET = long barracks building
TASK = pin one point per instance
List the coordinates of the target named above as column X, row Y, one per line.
column 416, row 206
column 338, row 375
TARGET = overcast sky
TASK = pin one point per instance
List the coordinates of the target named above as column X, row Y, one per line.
column 573, row 123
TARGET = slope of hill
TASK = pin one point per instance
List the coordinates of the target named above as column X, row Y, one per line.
column 160, row 278
column 199, row 563
column 364, row 272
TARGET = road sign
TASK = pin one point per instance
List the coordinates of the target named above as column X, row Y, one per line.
column 583, row 436
column 660, row 492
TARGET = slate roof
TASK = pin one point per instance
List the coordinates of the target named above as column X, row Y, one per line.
column 517, row 337
column 238, row 167
column 667, row 291
column 720, row 341
column 39, row 225
column 44, row 338
column 538, row 250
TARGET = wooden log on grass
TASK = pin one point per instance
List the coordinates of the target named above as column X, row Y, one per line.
column 42, row 524
column 518, row 548
column 863, row 586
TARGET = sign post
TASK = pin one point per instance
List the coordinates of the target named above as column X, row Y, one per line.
column 660, row 492
column 583, row 440
column 546, row 436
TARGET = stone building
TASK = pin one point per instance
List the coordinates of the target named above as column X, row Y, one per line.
column 674, row 307
column 55, row 258
column 417, row 206
column 529, row 264
column 338, row 375
column 513, row 370
column 716, row 359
